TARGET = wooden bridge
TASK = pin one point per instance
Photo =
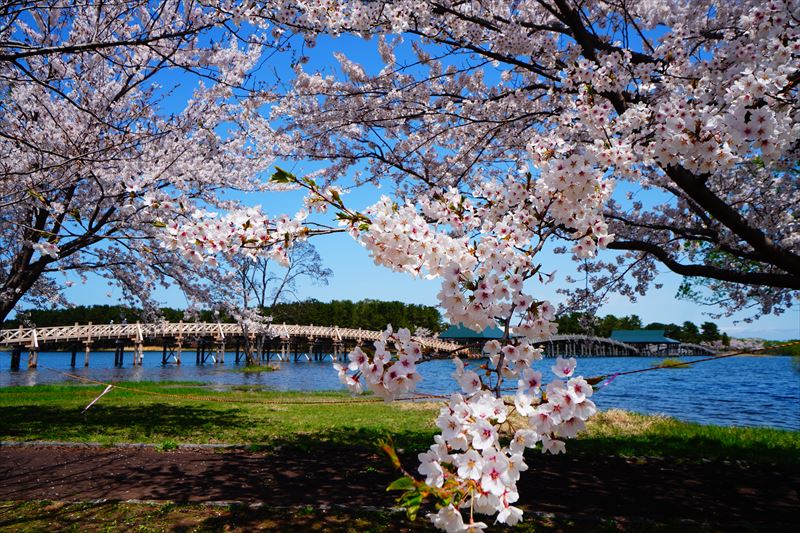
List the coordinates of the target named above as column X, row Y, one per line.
column 209, row 339
column 586, row 345
column 281, row 342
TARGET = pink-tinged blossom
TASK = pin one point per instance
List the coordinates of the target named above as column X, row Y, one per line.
column 450, row 425
column 552, row 446
column 475, row 527
column 585, row 409
column 449, row 519
column 530, row 382
column 494, row 478
column 470, row 382
column 510, row 516
column 358, row 359
column 523, row 403
column 579, row 389
column 430, row 467
column 523, row 438
column 571, row 427
column 564, row 367
column 483, row 434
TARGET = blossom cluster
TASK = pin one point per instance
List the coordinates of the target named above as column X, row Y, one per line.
column 248, row 232
column 389, row 372
column 473, row 462
column 482, row 277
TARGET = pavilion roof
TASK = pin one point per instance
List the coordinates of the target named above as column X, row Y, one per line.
column 462, row 332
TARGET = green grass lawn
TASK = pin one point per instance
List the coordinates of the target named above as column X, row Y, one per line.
column 241, row 416
column 195, row 413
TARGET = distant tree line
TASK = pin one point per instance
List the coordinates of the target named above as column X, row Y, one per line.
column 577, row 323
column 102, row 314
column 365, row 314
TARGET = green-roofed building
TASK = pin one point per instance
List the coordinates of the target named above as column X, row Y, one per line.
column 647, row 340
column 461, row 333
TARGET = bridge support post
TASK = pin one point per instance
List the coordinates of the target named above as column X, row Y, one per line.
column 33, row 354
column 220, row 353
column 16, row 354
column 285, row 348
column 338, row 349
column 311, row 348
column 178, row 350
column 119, row 353
column 138, row 354
column 87, row 346
column 74, row 354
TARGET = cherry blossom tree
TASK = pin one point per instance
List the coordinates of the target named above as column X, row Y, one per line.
column 503, row 126
column 694, row 102
column 99, row 150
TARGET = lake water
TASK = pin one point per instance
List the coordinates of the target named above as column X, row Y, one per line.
column 737, row 391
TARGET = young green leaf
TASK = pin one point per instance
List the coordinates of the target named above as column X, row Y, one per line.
column 403, row 483
column 281, row 176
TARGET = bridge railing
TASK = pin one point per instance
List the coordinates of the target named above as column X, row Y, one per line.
column 34, row 337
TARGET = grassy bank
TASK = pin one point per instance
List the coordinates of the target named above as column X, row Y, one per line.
column 167, row 413
column 617, row 432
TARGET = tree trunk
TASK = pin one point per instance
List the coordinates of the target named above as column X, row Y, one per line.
column 16, row 286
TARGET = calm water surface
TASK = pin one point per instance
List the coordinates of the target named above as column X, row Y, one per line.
column 738, row 391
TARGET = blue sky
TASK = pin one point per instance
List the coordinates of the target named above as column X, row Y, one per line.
column 356, row 277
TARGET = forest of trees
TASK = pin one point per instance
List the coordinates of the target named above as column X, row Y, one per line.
column 98, row 314
column 580, row 323
column 365, row 314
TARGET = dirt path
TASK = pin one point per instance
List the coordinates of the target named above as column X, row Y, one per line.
column 721, row 494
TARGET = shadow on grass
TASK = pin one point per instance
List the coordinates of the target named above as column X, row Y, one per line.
column 265, row 428
column 311, row 518
column 159, row 422
column 692, row 446
column 115, row 516
column 114, row 423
